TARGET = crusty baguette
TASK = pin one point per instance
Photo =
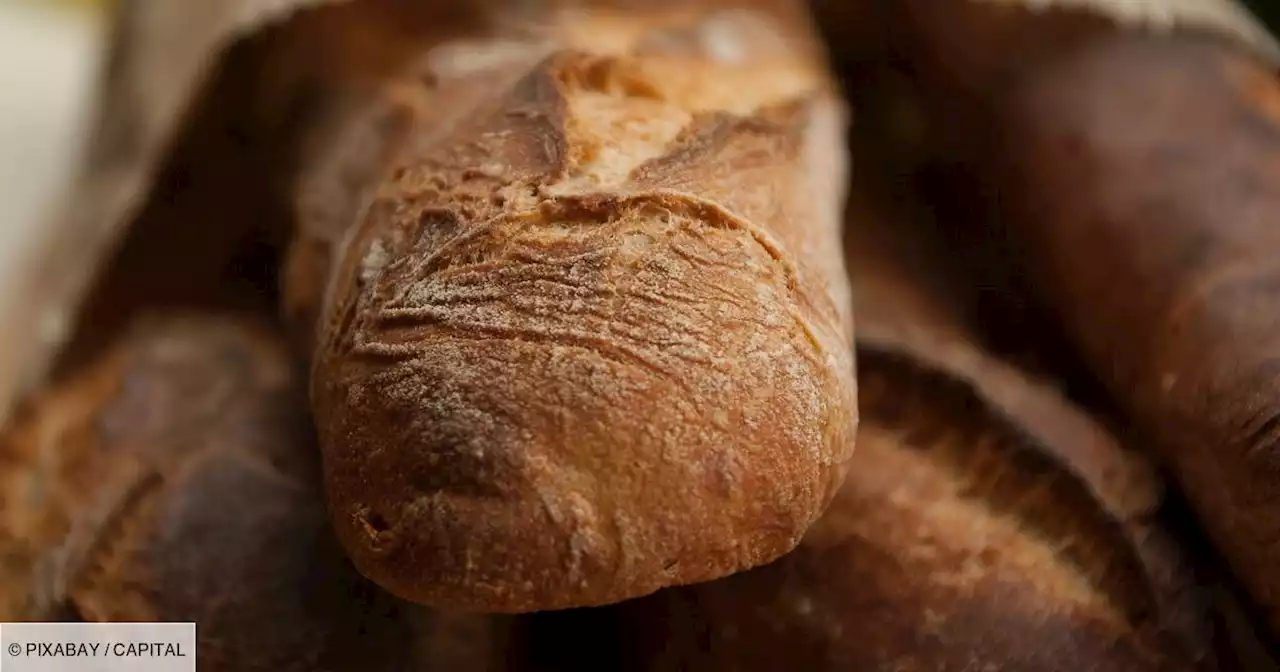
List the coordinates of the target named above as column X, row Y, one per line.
column 986, row 523
column 590, row 337
column 176, row 479
column 1164, row 285
column 1136, row 176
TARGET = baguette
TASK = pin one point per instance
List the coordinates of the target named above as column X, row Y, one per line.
column 986, row 523
column 1136, row 176
column 176, row 479
column 1188, row 256
column 589, row 337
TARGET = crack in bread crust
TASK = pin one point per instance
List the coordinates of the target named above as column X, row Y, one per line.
column 616, row 272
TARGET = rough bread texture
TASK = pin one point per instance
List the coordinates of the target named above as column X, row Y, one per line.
column 591, row 337
column 176, row 479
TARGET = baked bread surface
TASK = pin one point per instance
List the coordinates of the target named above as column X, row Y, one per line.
column 591, row 335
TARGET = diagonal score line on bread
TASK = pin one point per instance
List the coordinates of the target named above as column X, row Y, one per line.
column 589, row 335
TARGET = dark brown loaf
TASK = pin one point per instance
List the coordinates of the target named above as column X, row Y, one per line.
column 176, row 479
column 1137, row 178
column 1164, row 284
column 591, row 337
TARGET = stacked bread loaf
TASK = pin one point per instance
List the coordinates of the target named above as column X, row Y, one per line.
column 515, row 335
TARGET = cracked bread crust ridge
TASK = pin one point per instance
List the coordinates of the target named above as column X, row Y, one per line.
column 594, row 339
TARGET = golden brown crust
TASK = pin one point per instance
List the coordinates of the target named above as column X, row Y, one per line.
column 591, row 337
column 176, row 479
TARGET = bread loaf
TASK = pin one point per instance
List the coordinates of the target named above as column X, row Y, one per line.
column 176, row 479
column 1186, row 257
column 986, row 523
column 1135, row 175
column 590, row 337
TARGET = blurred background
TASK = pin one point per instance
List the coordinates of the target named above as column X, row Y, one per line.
column 1268, row 11
column 49, row 52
